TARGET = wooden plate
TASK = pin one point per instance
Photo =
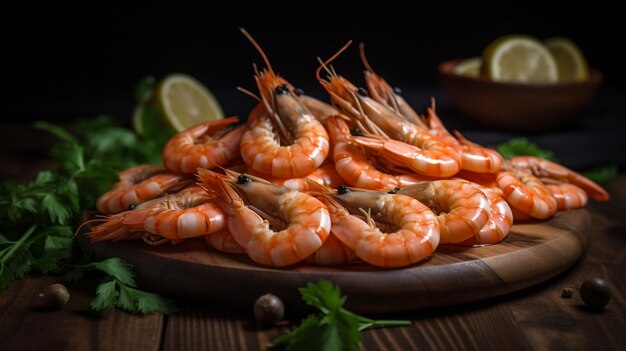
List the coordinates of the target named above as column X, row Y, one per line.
column 531, row 254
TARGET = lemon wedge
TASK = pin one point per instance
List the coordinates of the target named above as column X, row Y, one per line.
column 519, row 58
column 571, row 63
column 185, row 102
column 469, row 67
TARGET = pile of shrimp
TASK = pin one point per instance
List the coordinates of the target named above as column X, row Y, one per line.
column 362, row 179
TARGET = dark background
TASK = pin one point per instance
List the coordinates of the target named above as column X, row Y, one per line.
column 65, row 62
column 68, row 61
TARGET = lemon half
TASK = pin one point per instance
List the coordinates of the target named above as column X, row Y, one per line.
column 185, row 102
column 571, row 63
column 519, row 58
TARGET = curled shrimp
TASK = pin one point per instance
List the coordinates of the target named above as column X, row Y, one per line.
column 332, row 253
column 461, row 208
column 189, row 213
column 225, row 242
column 277, row 226
column 500, row 220
column 139, row 184
column 527, row 194
column 543, row 168
column 318, row 108
column 325, row 175
column 568, row 196
column 397, row 230
column 382, row 92
column 355, row 167
column 204, row 145
column 301, row 142
column 474, row 157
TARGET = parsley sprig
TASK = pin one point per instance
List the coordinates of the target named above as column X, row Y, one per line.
column 38, row 217
column 335, row 328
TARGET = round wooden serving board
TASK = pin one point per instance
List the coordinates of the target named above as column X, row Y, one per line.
column 532, row 253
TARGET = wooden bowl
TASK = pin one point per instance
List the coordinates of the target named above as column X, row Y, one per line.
column 518, row 106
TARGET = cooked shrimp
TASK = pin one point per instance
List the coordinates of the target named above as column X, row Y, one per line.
column 277, row 226
column 527, row 194
column 461, row 208
column 139, row 184
column 325, row 175
column 409, row 234
column 333, row 252
column 500, row 220
column 543, row 168
column 355, row 167
column 301, row 144
column 474, row 157
column 204, row 145
column 189, row 213
column 225, row 242
column 568, row 196
column 434, row 163
column 318, row 108
column 384, row 125
column 382, row 92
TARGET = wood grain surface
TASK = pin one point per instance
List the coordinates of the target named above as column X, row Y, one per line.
column 532, row 253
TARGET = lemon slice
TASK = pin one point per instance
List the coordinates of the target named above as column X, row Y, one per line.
column 185, row 102
column 469, row 67
column 519, row 58
column 570, row 60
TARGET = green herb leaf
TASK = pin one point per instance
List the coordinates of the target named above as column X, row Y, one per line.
column 58, row 131
column 335, row 329
column 106, row 295
column 143, row 89
column 603, row 175
column 520, row 147
column 118, row 269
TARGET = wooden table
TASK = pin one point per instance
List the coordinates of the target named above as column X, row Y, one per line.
column 534, row 318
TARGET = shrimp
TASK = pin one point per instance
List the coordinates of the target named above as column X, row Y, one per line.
column 277, row 226
column 225, row 242
column 526, row 193
column 354, row 166
column 332, row 253
column 382, row 92
column 409, row 234
column 204, row 145
column 462, row 209
column 301, row 144
column 474, row 158
column 568, row 196
column 139, row 184
column 500, row 220
column 398, row 153
column 543, row 168
column 318, row 108
column 325, row 175
column 383, row 125
column 189, row 213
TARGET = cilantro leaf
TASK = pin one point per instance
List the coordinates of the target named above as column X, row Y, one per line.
column 106, row 295
column 57, row 131
column 143, row 89
column 118, row 269
column 335, row 329
column 522, row 146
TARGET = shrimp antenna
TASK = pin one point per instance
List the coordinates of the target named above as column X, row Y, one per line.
column 258, row 48
column 363, row 58
column 325, row 63
column 249, row 93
